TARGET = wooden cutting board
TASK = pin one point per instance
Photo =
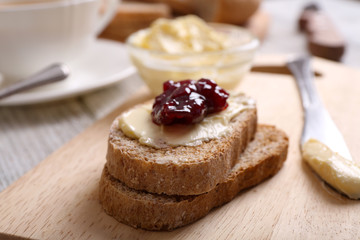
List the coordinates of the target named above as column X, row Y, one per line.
column 59, row 198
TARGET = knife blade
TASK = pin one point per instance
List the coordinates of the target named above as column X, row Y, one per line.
column 318, row 123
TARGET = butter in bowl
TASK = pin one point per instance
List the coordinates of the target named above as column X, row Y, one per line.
column 189, row 48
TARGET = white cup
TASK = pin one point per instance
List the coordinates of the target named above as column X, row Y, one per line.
column 36, row 33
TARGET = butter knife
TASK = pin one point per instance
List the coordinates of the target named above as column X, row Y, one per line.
column 318, row 123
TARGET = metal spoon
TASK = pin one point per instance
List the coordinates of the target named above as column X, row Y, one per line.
column 53, row 73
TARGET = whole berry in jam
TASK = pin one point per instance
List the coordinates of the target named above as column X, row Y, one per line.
column 188, row 101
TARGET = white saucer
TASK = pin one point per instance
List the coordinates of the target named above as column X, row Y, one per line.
column 105, row 63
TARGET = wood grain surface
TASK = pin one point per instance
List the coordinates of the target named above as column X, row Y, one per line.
column 59, row 198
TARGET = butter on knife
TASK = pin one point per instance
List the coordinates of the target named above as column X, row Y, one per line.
column 339, row 172
column 325, row 154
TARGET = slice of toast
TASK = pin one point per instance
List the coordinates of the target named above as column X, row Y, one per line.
column 182, row 170
column 263, row 158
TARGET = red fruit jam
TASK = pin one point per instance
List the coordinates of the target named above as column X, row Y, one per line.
column 188, row 101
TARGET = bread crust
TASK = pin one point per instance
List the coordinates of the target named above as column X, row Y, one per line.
column 178, row 170
column 262, row 159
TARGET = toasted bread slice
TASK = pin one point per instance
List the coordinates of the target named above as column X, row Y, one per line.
column 263, row 158
column 182, row 170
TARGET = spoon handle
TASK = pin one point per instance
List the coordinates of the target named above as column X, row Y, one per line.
column 53, row 73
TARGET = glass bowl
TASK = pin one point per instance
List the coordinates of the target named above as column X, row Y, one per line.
column 226, row 67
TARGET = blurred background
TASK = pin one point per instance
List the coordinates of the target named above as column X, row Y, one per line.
column 284, row 19
column 275, row 22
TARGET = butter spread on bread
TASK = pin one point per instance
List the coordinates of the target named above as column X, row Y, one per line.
column 181, row 169
column 136, row 123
